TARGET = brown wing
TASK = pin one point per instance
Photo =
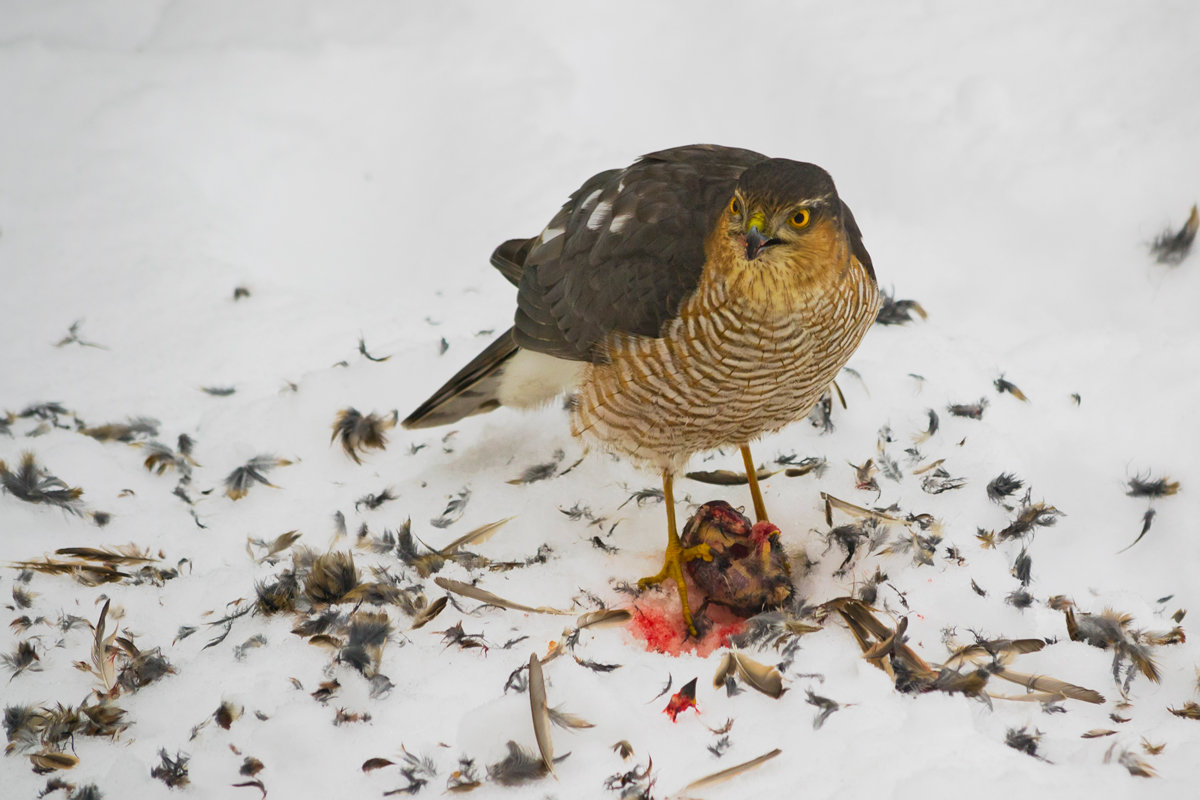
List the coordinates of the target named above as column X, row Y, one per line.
column 624, row 252
column 856, row 242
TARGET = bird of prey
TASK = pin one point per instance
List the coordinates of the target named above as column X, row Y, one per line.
column 699, row 298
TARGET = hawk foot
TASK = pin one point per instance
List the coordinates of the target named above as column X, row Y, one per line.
column 673, row 560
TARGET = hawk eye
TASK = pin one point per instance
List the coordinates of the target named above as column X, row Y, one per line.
column 800, row 218
column 735, row 207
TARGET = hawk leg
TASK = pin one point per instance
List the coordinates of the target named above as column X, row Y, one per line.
column 760, row 508
column 676, row 556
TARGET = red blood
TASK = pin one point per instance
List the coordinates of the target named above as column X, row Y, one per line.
column 658, row 630
column 658, row 622
column 762, row 532
column 682, row 700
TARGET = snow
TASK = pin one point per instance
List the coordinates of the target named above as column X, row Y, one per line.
column 353, row 165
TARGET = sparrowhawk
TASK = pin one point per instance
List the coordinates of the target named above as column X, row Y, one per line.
column 699, row 298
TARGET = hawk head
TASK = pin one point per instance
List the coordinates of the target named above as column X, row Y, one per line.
column 784, row 220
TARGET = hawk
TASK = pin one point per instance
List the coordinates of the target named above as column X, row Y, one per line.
column 699, row 298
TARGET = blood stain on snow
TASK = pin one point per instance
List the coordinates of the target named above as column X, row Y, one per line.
column 657, row 621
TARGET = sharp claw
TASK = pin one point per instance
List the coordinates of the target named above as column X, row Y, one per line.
column 673, row 562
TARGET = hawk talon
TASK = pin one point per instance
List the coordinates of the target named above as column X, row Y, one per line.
column 673, row 560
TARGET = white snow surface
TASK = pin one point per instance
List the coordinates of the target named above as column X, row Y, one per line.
column 353, row 165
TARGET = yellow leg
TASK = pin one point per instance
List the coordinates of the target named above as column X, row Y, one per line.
column 760, row 508
column 676, row 556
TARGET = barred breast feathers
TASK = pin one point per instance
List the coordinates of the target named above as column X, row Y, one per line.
column 750, row 352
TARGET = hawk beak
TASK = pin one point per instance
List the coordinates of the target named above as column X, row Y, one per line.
column 756, row 242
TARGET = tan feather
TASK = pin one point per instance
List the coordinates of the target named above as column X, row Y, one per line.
column 1097, row 733
column 484, row 596
column 605, row 618
column 426, row 614
column 725, row 477
column 1044, row 683
column 567, row 720
column 477, row 536
column 541, row 712
column 48, row 762
column 730, row 773
column 761, row 677
column 104, row 666
column 726, row 667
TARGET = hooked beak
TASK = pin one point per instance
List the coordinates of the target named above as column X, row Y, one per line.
column 756, row 241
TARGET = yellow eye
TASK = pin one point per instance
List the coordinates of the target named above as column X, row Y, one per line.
column 735, row 207
column 800, row 218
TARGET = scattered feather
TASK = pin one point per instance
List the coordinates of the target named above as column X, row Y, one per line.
column 128, row 432
column 1147, row 520
column 227, row 714
column 643, row 496
column 539, row 472
column 484, row 596
column 1021, row 739
column 272, row 548
column 1189, row 710
column 825, row 707
column 238, row 482
column 1111, row 630
column 362, row 349
column 603, row 618
column 541, row 712
column 374, row 501
column 1031, row 517
column 427, row 614
column 1003, row 485
column 254, row 784
column 73, row 336
column 821, row 415
column 51, row 761
column 682, row 700
column 172, row 771
column 596, row 666
column 455, row 509
column 968, row 410
column 332, row 577
column 23, row 657
column 1172, row 248
column 725, row 477
column 930, row 430
column 1003, row 385
column 1131, row 762
column 1147, row 487
column 936, row 483
column 417, row 771
column 814, row 465
column 898, row 312
column 762, row 678
column 519, row 766
column 358, row 433
column 34, row 484
column 1097, row 733
column 730, row 773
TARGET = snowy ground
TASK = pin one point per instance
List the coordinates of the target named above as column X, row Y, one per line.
column 352, row 166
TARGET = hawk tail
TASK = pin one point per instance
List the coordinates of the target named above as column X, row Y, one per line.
column 474, row 389
column 502, row 375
